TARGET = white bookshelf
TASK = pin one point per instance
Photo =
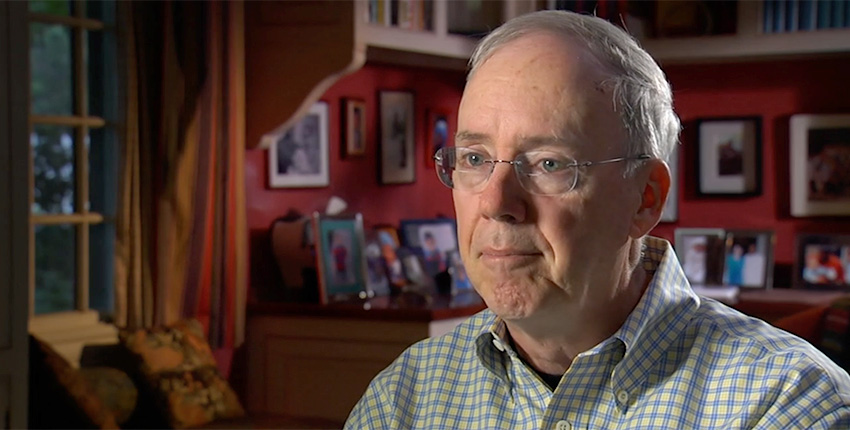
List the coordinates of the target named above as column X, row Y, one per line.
column 749, row 43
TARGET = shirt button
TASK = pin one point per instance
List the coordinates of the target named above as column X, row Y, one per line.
column 498, row 344
column 623, row 396
column 563, row 425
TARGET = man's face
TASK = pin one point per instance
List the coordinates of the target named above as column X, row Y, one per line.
column 525, row 253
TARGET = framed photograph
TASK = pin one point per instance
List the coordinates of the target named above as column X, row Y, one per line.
column 377, row 282
column 397, row 141
column 820, row 162
column 749, row 258
column 701, row 251
column 340, row 259
column 354, row 127
column 433, row 239
column 438, row 134
column 387, row 237
column 822, row 262
column 729, row 156
column 671, row 206
column 298, row 157
column 460, row 281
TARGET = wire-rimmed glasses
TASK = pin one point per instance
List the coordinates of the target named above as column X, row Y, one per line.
column 539, row 172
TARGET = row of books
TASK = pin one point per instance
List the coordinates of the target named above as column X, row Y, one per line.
column 406, row 14
column 784, row 16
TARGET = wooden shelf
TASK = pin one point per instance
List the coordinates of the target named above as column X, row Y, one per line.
column 749, row 47
column 422, row 42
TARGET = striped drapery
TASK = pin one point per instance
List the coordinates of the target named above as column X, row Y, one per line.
column 182, row 236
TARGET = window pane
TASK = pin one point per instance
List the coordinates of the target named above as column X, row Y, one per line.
column 55, row 273
column 51, row 74
column 53, row 169
column 102, row 75
column 53, row 7
column 101, row 11
column 101, row 269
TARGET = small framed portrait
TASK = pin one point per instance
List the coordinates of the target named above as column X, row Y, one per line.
column 340, row 259
column 671, row 206
column 822, row 262
column 438, row 134
column 387, row 238
column 820, row 164
column 353, row 127
column 749, row 258
column 433, row 239
column 397, row 138
column 701, row 251
column 377, row 282
column 729, row 156
column 460, row 281
column 298, row 156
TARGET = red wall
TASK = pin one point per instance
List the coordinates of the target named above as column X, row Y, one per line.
column 355, row 180
column 773, row 90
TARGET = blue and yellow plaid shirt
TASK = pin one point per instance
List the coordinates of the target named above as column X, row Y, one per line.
column 678, row 362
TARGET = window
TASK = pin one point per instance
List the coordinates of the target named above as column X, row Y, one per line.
column 73, row 138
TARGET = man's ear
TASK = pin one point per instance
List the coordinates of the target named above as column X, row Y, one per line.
column 653, row 197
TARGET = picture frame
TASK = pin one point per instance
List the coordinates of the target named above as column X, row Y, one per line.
column 460, row 281
column 820, row 160
column 397, row 164
column 354, row 127
column 438, row 135
column 377, row 280
column 340, row 259
column 822, row 262
column 433, row 239
column 670, row 212
column 700, row 252
column 729, row 156
column 388, row 241
column 748, row 261
column 298, row 156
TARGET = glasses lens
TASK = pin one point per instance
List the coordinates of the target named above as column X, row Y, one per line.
column 462, row 168
column 444, row 161
column 544, row 172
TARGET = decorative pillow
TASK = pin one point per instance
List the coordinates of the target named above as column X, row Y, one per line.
column 179, row 365
column 114, row 388
column 59, row 395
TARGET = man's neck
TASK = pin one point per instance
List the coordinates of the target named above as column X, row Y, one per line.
column 550, row 344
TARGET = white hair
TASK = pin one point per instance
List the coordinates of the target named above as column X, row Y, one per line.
column 639, row 88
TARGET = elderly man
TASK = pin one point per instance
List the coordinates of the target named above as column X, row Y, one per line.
column 558, row 176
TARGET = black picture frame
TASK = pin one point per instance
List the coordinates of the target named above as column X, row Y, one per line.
column 397, row 159
column 728, row 156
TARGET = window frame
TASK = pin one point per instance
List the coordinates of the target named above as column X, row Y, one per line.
column 83, row 220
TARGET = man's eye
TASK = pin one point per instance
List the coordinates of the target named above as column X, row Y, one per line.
column 471, row 160
column 551, row 165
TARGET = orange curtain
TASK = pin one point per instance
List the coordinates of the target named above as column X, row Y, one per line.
column 182, row 236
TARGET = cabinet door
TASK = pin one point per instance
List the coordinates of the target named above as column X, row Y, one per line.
column 14, row 214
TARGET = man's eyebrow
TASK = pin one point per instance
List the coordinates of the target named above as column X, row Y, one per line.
column 525, row 140
column 468, row 135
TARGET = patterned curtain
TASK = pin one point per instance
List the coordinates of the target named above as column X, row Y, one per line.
column 182, row 231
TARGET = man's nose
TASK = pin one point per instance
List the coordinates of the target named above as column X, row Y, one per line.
column 503, row 197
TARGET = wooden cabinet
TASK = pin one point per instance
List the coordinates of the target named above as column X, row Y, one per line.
column 314, row 362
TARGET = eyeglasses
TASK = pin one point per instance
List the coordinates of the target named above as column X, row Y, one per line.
column 539, row 172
